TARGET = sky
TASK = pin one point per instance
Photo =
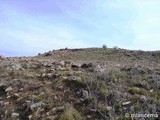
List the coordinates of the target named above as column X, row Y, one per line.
column 29, row 27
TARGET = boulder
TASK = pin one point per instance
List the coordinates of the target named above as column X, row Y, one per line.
column 85, row 66
column 85, row 93
column 9, row 89
column 48, row 54
column 35, row 105
column 16, row 66
column 62, row 63
column 72, row 78
column 14, row 115
column 74, row 66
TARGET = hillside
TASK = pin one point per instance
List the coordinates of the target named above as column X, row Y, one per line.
column 81, row 84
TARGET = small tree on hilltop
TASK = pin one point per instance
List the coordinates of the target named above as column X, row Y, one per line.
column 104, row 47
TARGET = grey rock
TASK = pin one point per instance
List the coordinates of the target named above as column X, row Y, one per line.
column 89, row 116
column 85, row 93
column 43, row 75
column 2, row 103
column 74, row 66
column 48, row 54
column 143, row 98
column 35, row 105
column 85, row 66
column 50, row 75
column 9, row 89
column 16, row 66
column 93, row 110
column 60, row 108
column 109, row 108
column 62, row 63
column 14, row 115
column 72, row 78
column 6, row 103
column 126, row 103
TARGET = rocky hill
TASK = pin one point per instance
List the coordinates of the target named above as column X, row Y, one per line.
column 81, row 84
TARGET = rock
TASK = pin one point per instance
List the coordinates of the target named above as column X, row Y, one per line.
column 109, row 108
column 67, row 64
column 85, row 66
column 74, row 66
column 126, row 103
column 85, row 93
column 28, row 101
column 60, row 87
column 8, row 97
column 42, row 93
column 72, row 78
column 93, row 110
column 64, row 78
column 60, row 108
column 55, row 97
column 2, row 103
column 48, row 54
column 50, row 75
column 16, row 66
column 6, row 103
column 98, row 67
column 14, row 115
column 53, row 110
column 118, row 65
column 52, row 117
column 21, row 89
column 44, row 75
column 151, row 91
column 62, row 63
column 143, row 98
column 47, row 65
column 16, row 95
column 47, row 83
column 62, row 69
column 78, row 72
column 89, row 117
column 9, row 89
column 35, row 105
column 30, row 117
column 19, row 100
column 56, row 76
column 48, row 113
column 32, row 88
column 53, row 70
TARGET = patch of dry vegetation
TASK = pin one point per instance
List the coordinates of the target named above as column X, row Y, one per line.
column 89, row 84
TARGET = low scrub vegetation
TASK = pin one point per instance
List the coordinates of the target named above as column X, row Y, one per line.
column 80, row 84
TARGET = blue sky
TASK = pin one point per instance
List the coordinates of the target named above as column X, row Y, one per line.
column 29, row 27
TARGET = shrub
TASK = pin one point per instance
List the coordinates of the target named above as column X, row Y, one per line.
column 104, row 47
column 116, row 47
column 71, row 114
